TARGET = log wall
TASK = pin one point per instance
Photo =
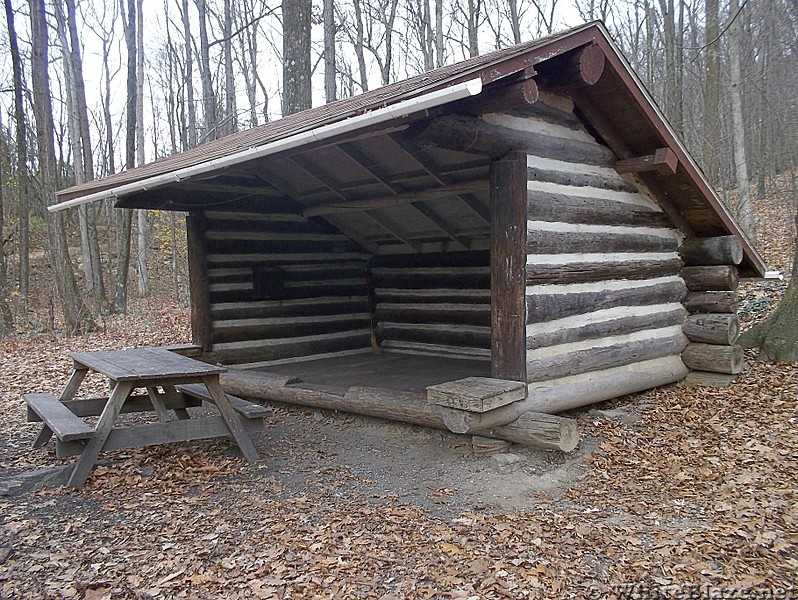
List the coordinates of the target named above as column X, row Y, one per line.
column 282, row 286
column 713, row 326
column 436, row 304
column 603, row 285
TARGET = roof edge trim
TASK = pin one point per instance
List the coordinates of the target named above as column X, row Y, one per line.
column 401, row 109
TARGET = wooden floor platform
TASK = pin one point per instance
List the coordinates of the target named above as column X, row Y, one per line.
column 395, row 371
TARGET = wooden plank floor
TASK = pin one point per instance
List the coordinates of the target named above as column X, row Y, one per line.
column 402, row 372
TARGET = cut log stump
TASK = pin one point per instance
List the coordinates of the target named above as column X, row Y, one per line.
column 722, row 329
column 540, row 430
column 713, row 358
column 721, row 250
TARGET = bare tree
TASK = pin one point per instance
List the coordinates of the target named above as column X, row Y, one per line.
column 329, row 50
column 76, row 316
column 208, row 95
column 296, row 56
column 23, row 176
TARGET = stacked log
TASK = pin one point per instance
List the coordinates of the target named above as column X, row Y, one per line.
column 712, row 327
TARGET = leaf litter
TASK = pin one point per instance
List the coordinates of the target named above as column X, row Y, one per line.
column 700, row 488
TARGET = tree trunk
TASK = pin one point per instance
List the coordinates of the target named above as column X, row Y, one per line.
column 359, row 46
column 711, row 91
column 777, row 338
column 230, row 115
column 329, row 50
column 76, row 316
column 745, row 208
column 189, row 80
column 296, row 56
column 6, row 319
column 23, row 180
column 208, row 94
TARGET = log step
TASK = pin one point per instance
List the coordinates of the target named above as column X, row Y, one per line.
column 476, row 394
column 66, row 426
column 246, row 409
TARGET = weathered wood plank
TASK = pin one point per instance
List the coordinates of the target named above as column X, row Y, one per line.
column 421, row 349
column 436, row 295
column 508, row 236
column 434, row 312
column 92, row 407
column 284, row 327
column 542, row 306
column 476, row 394
column 578, row 177
column 256, row 350
column 64, row 423
column 263, row 309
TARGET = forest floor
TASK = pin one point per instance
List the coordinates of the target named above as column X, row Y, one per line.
column 675, row 492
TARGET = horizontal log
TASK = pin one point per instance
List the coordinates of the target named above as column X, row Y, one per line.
column 258, row 350
column 543, row 306
column 520, row 94
column 579, row 177
column 476, row 136
column 541, row 431
column 554, row 207
column 714, row 358
column 285, row 308
column 421, row 349
column 461, row 335
column 617, row 324
column 282, row 257
column 437, row 295
column 721, row 250
column 555, row 242
column 556, row 395
column 430, row 312
column 408, row 407
column 466, row 277
column 577, row 272
column 576, row 68
column 711, row 302
column 270, row 236
column 715, row 278
column 603, row 357
column 713, row 328
column 215, row 215
column 232, row 330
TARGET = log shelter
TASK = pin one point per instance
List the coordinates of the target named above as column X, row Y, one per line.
column 526, row 217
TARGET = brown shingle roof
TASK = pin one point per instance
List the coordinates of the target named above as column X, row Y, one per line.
column 327, row 113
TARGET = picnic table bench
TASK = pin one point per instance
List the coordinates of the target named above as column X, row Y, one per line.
column 172, row 382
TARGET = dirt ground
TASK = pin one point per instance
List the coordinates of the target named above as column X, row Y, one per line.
column 670, row 491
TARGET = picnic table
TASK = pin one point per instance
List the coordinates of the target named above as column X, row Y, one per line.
column 172, row 382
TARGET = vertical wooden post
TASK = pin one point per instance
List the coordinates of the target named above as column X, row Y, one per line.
column 201, row 324
column 508, row 266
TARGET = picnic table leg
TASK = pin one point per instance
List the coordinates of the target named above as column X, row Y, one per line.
column 157, row 404
column 77, row 377
column 231, row 418
column 171, row 392
column 95, row 444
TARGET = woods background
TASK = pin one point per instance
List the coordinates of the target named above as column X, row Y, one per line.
column 91, row 88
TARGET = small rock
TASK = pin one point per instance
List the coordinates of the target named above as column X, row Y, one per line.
column 506, row 462
column 318, row 415
column 5, row 552
column 146, row 471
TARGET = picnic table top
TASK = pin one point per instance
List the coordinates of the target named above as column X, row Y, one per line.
column 133, row 364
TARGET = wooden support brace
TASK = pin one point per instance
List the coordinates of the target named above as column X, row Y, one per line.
column 663, row 160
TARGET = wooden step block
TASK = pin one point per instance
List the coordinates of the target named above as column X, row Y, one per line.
column 476, row 394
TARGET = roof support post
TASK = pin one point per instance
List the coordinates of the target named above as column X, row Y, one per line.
column 201, row 322
column 508, row 216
